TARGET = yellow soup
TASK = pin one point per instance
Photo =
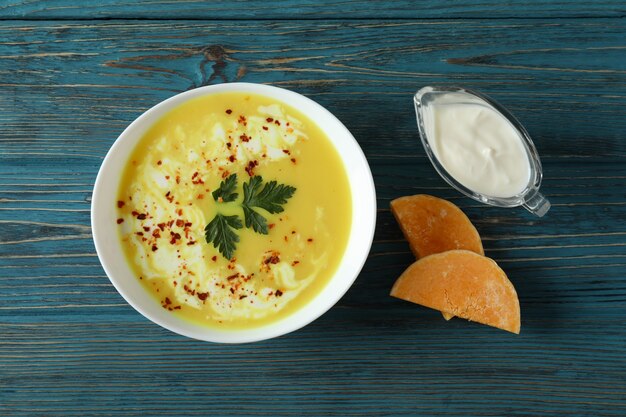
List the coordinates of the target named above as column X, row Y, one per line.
column 234, row 210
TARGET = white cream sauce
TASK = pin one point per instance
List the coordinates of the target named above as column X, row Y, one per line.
column 478, row 146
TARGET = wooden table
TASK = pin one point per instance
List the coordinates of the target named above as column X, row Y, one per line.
column 72, row 77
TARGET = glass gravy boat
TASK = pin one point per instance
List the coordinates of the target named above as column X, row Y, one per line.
column 530, row 198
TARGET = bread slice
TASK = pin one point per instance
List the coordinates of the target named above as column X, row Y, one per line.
column 434, row 225
column 464, row 284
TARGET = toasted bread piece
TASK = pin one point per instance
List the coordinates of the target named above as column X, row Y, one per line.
column 447, row 315
column 433, row 225
column 464, row 284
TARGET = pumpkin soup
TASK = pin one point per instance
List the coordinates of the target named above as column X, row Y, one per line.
column 234, row 210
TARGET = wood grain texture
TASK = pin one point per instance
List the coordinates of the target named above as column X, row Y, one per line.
column 306, row 9
column 71, row 346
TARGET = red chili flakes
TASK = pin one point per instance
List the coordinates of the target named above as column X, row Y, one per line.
column 242, row 120
column 120, row 221
column 141, row 216
column 167, row 301
column 225, row 174
column 276, row 122
column 161, row 226
column 294, row 263
column 279, row 293
column 156, row 233
column 155, row 248
column 202, row 295
column 178, row 179
column 195, row 178
column 139, row 233
column 233, row 276
column 214, row 258
column 120, row 204
column 293, row 232
column 250, row 167
column 293, row 160
column 187, row 224
column 191, row 243
column 232, row 158
column 229, row 145
column 189, row 290
column 228, row 111
column 241, row 297
column 287, row 151
column 269, row 120
column 159, row 162
column 134, row 213
column 146, row 229
column 180, row 222
column 265, row 128
column 169, row 196
column 179, row 212
column 271, row 225
column 245, row 138
column 167, row 177
column 200, row 196
column 309, row 240
column 175, row 237
column 272, row 259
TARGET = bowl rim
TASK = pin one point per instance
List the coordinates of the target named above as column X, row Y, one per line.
column 287, row 324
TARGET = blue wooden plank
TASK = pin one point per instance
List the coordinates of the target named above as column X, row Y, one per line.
column 70, row 345
column 306, row 9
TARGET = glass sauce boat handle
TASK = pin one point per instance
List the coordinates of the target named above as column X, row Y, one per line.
column 537, row 204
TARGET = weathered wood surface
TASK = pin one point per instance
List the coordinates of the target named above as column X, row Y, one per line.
column 307, row 9
column 70, row 345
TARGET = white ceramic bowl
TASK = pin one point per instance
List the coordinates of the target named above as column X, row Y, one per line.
column 103, row 217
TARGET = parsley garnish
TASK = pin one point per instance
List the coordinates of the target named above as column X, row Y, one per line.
column 227, row 190
column 270, row 197
column 220, row 232
column 255, row 221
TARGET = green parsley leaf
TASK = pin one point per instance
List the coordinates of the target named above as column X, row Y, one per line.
column 220, row 232
column 227, row 190
column 255, row 221
column 271, row 198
